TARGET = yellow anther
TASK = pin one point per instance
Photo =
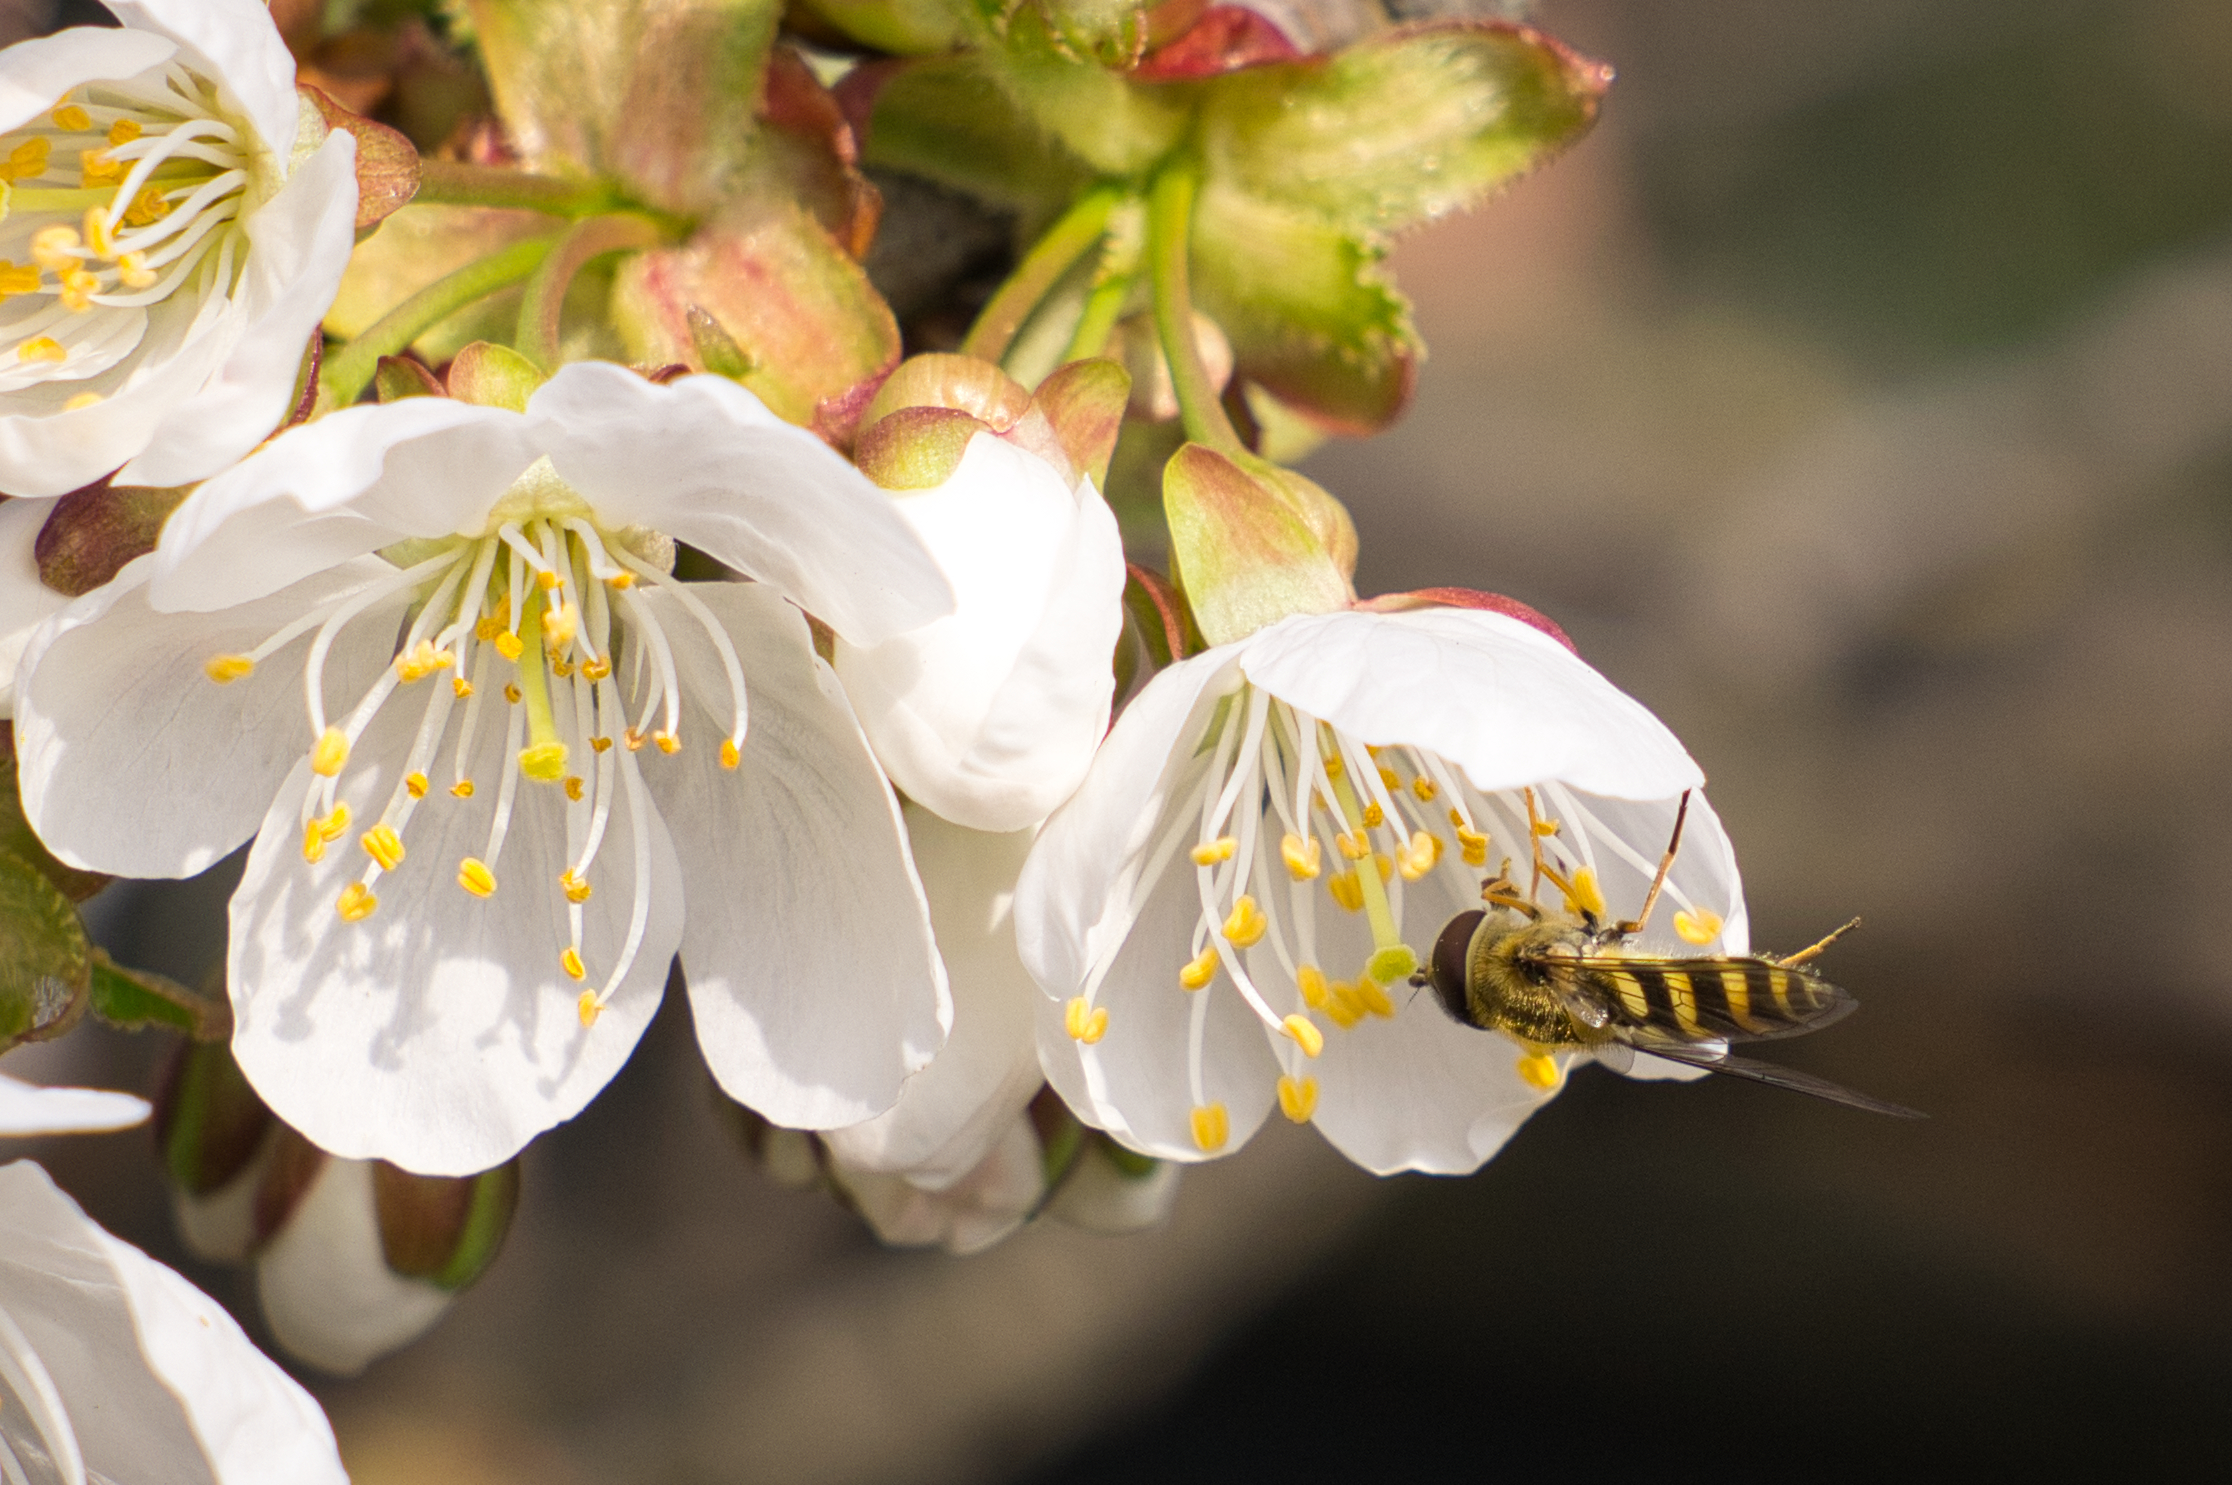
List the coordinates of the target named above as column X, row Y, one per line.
column 1355, row 846
column 1700, row 927
column 560, row 668
column 570, row 962
column 596, row 668
column 1425, row 788
column 1540, row 1070
column 225, row 669
column 620, row 580
column 97, row 168
column 132, row 271
column 1305, row 1034
column 17, row 279
column 1310, row 980
column 1332, row 765
column 544, row 762
column 1085, row 1023
column 1346, row 890
column 77, row 120
column 383, row 845
column 421, row 661
column 1473, row 846
column 463, row 788
column 461, row 686
column 1245, row 926
column 575, row 784
column 1588, row 897
column 416, row 784
column 1374, row 816
column 492, row 624
column 475, row 877
column 123, row 131
column 356, row 904
column 1303, row 858
column 97, row 239
column 27, row 160
column 1212, row 1126
column 1298, row 1098
column 313, row 843
column 599, row 744
column 574, row 887
column 1342, row 1005
column 508, row 644
column 42, row 348
column 589, row 1008
column 335, row 825
column 1371, row 995
column 511, row 693
column 1385, row 863
column 1419, row 857
column 82, row 401
column 731, row 754
column 669, row 743
column 1546, row 828
column 78, row 289
column 634, row 738
column 148, row 207
column 1210, row 852
column 1389, row 778
column 548, row 578
column 330, row 753
column 1200, row 970
column 560, row 625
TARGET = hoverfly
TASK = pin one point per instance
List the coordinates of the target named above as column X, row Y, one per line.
column 1553, row 979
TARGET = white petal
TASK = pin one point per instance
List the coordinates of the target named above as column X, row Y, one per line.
column 234, row 41
column 324, row 1281
column 1072, row 903
column 441, row 1032
column 26, row 1108
column 158, row 1381
column 1499, row 698
column 132, row 760
column 991, row 1201
column 1134, row 1081
column 704, row 461
column 953, row 1113
column 1097, row 1197
column 298, row 245
column 813, row 976
column 347, row 484
column 25, row 602
column 35, row 73
column 990, row 715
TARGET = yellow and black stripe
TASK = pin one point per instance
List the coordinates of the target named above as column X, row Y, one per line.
column 1698, row 999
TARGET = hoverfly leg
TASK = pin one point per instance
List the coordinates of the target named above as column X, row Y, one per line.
column 1666, row 864
column 1814, row 950
column 1501, row 891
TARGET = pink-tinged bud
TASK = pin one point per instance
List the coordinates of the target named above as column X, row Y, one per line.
column 1109, row 1189
column 387, row 166
column 1254, row 545
column 490, row 375
column 91, row 533
column 216, row 1138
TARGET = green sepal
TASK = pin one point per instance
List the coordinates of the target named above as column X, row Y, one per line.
column 1129, row 1164
column 1115, row 127
column 1158, row 612
column 901, row 28
column 1085, row 402
column 1402, row 128
column 209, row 1123
column 400, row 377
column 916, row 448
column 446, row 1230
column 1245, row 555
column 948, row 120
column 135, row 999
column 490, row 375
column 46, row 964
column 92, row 532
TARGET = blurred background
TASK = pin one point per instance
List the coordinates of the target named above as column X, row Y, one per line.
column 1859, row 396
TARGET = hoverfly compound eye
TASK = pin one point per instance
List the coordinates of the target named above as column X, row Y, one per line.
column 1447, row 972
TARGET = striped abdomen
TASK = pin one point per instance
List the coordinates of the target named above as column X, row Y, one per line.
column 1699, row 999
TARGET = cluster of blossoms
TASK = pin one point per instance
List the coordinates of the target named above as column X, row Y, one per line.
column 655, row 621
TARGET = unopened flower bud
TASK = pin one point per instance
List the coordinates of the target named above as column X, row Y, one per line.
column 1112, row 1190
column 215, row 1135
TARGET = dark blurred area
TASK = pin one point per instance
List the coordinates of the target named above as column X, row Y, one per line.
column 1860, row 396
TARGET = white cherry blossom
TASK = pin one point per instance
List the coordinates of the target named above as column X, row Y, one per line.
column 1225, row 915
column 176, row 224
column 113, row 1368
column 29, row 1108
column 431, row 657
column 990, row 715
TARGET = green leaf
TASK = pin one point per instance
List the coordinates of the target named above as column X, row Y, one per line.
column 1401, row 128
column 45, row 961
column 1308, row 311
column 947, row 119
column 134, row 999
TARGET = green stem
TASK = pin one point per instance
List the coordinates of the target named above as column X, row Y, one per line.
column 349, row 370
column 544, row 303
column 1041, row 269
column 1170, row 206
column 1102, row 308
column 450, row 183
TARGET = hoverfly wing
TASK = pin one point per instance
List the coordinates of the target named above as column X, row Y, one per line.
column 1738, row 999
column 1775, row 1077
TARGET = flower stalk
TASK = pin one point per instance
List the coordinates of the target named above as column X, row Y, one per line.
column 1170, row 205
column 350, row 370
column 1054, row 255
column 543, row 306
